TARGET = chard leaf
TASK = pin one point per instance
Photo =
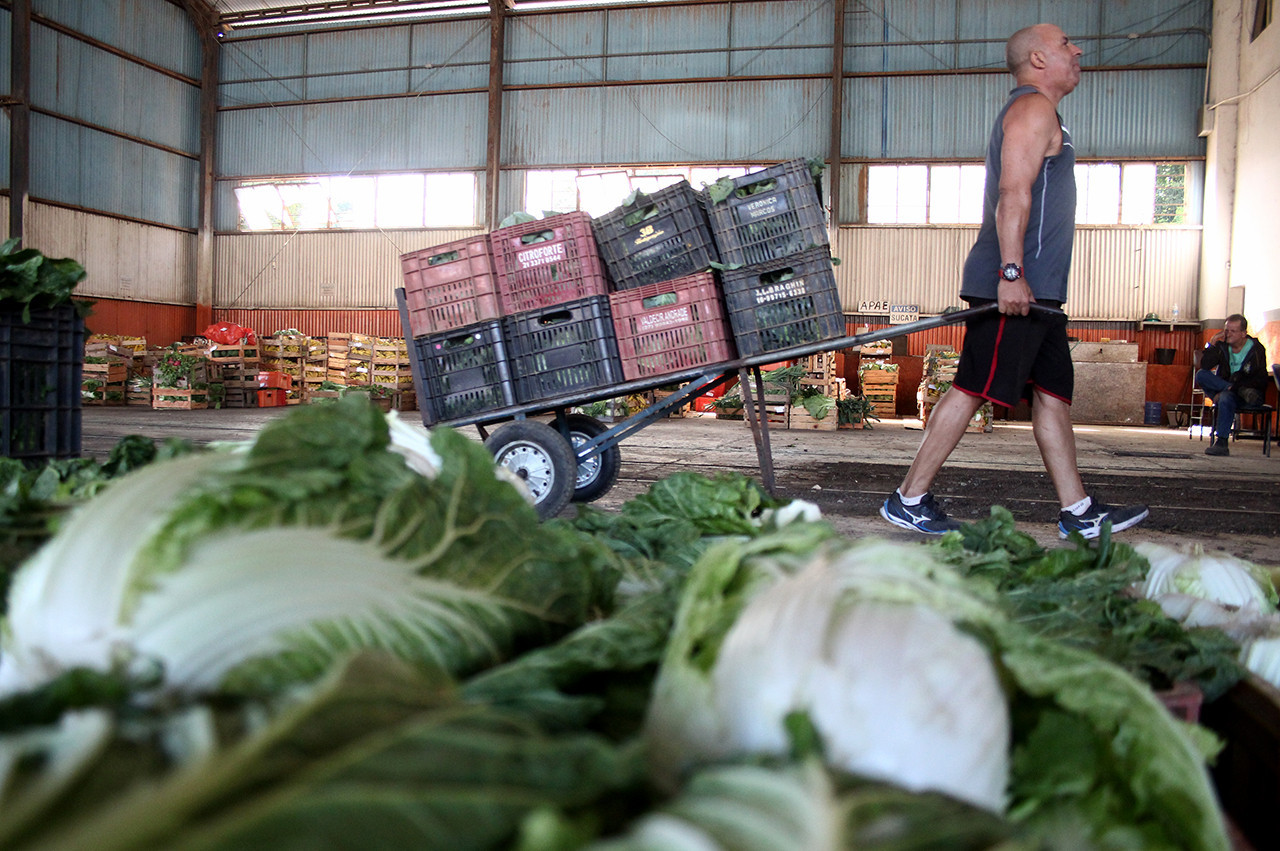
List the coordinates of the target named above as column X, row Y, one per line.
column 569, row 684
column 378, row 756
column 1148, row 773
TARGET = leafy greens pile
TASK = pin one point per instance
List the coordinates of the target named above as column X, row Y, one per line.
column 29, row 280
column 351, row 635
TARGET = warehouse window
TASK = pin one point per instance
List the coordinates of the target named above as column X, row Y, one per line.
column 1131, row 193
column 600, row 190
column 1106, row 193
column 1261, row 17
column 359, row 202
column 920, row 194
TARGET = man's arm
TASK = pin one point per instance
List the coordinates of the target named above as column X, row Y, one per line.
column 1031, row 133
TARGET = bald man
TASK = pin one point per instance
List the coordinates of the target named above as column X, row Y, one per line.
column 1022, row 254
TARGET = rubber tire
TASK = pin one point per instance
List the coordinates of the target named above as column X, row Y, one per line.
column 539, row 455
column 598, row 474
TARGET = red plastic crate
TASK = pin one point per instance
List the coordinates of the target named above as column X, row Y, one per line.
column 450, row 286
column 271, row 397
column 672, row 326
column 279, row 380
column 547, row 262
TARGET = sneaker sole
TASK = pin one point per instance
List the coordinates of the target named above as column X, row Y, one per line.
column 1090, row 534
column 903, row 524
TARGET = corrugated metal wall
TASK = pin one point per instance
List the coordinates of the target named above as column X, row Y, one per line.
column 123, row 259
column 714, row 83
column 115, row 109
column 1116, row 273
column 322, row 270
column 315, row 323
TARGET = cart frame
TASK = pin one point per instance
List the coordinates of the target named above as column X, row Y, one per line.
column 696, row 380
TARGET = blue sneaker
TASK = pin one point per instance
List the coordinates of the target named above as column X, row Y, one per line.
column 925, row 517
column 1089, row 524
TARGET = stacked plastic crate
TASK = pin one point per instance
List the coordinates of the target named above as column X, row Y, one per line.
column 770, row 224
column 668, row 313
column 41, row 357
column 554, row 296
column 451, row 298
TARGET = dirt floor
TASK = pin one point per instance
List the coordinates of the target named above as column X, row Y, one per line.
column 1230, row 504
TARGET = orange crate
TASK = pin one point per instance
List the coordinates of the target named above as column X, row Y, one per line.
column 275, row 380
column 271, row 397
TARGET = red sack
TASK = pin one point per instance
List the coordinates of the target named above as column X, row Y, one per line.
column 230, row 334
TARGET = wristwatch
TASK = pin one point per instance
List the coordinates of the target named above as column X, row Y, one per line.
column 1011, row 271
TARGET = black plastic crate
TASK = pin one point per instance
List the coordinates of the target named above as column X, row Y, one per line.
column 464, row 372
column 40, row 366
column 785, row 303
column 769, row 214
column 656, row 238
column 562, row 349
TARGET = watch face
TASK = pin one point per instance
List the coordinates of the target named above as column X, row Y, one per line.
column 1011, row 272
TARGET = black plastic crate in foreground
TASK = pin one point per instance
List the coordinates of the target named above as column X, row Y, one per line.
column 563, row 349
column 657, row 237
column 769, row 214
column 464, row 372
column 40, row 366
column 784, row 303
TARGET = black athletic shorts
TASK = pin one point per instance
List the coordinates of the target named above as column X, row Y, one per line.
column 1005, row 358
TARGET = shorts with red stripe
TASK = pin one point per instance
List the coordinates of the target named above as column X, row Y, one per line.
column 1005, row 358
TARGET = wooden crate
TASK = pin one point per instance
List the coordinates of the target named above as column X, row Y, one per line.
column 800, row 418
column 221, row 353
column 104, row 394
column 179, row 398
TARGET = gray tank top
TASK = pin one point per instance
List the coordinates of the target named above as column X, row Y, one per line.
column 1051, row 226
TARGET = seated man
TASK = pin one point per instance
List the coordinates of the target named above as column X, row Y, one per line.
column 1233, row 372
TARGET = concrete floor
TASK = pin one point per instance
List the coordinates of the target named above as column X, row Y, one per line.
column 849, row 472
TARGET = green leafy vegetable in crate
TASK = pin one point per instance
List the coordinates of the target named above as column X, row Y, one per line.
column 30, row 279
column 856, row 409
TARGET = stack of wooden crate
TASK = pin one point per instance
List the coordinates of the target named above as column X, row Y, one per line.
column 337, row 347
column 940, row 364
column 879, row 382
column 236, row 369
column 102, row 380
column 819, row 374
column 99, row 384
column 359, row 371
column 288, row 353
column 878, row 378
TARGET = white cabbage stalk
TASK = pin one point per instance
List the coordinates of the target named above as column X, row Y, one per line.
column 414, row 445
column 896, row 691
column 795, row 511
column 1220, row 578
column 62, row 750
column 246, row 595
column 85, row 574
column 238, row 595
column 1262, row 658
column 744, row 808
column 1221, row 592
